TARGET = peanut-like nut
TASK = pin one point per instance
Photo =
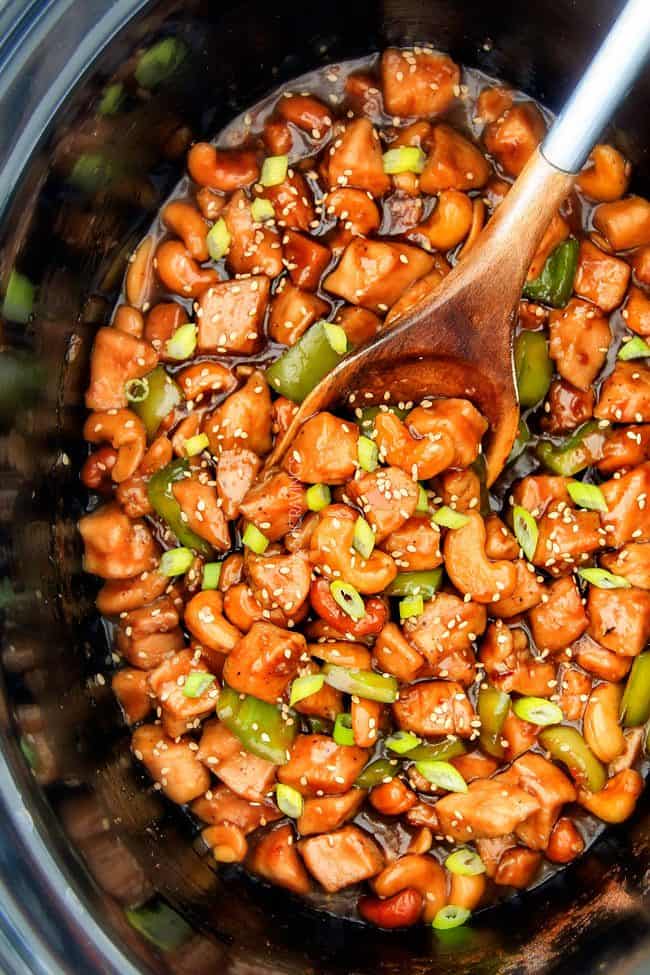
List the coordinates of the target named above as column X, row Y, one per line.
column 399, row 911
column 128, row 319
column 173, row 764
column 180, row 273
column 467, row 891
column 205, row 621
column 186, row 222
column 139, row 276
column 222, row 169
column 205, row 377
column 419, row 871
column 227, row 842
column 566, row 842
column 469, row 568
column 450, row 222
column 601, row 729
column 616, row 801
column 126, row 434
column 331, row 545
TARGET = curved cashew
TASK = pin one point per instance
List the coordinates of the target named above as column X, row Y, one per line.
column 354, row 208
column 393, row 654
column 205, row 621
column 606, row 175
column 343, row 653
column 566, row 842
column 393, row 798
column 130, row 320
column 467, row 891
column 96, row 471
column 242, row 609
column 419, row 871
column 574, row 688
column 123, row 595
column 125, row 432
column 211, row 204
column 600, row 727
column 139, row 276
column 616, row 801
column 421, row 459
column 280, row 581
column 227, row 842
column 186, row 222
column 399, row 911
column 333, row 552
column 205, row 516
column 458, row 419
column 450, row 222
column 366, row 721
column 469, row 568
column 222, row 169
column 306, row 112
column 173, row 764
column 421, row 841
column 205, row 377
column 518, row 867
column 180, row 273
column 232, row 571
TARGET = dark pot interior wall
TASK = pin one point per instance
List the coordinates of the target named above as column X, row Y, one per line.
column 84, row 799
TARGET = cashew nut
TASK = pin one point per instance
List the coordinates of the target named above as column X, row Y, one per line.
column 202, row 378
column 419, row 871
column 333, row 551
column 616, row 801
column 566, row 842
column 180, row 273
column 392, row 798
column 450, row 222
column 469, row 568
column 186, row 222
column 222, row 169
column 205, row 621
column 467, row 891
column 601, row 729
column 139, row 276
column 130, row 320
column 227, row 842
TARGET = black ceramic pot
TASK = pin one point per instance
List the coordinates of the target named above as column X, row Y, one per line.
column 89, row 858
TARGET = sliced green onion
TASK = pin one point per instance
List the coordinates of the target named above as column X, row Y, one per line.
column 347, row 597
column 197, row 682
column 303, row 687
column 404, row 159
column 211, row 575
column 465, row 863
column 602, row 579
column 343, row 733
column 367, row 454
column 218, row 240
column 92, row 171
column 379, row 771
column 441, row 751
column 537, row 710
column 422, row 582
column 289, row 800
column 422, row 506
column 182, row 343
column 636, row 348
column 336, row 337
column 254, row 539
column 136, row 390
column 318, row 497
column 262, row 210
column 159, row 924
column 19, row 298
column 442, row 774
column 176, row 561
column 526, row 531
column 274, row 170
column 362, row 683
column 449, row 917
column 112, row 99
column 449, row 518
column 402, row 742
column 364, row 538
column 411, row 606
column 159, row 62
column 195, row 445
column 587, row 496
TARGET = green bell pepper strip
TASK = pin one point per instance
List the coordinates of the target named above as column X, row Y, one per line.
column 440, row 751
column 159, row 924
column 163, row 502
column 18, row 301
column 303, row 365
column 376, row 773
column 424, row 583
column 163, row 395
column 555, row 283
column 262, row 728
column 368, row 413
column 580, row 450
column 635, row 706
column 533, row 367
column 492, row 706
column 159, row 62
column 567, row 745
column 363, row 683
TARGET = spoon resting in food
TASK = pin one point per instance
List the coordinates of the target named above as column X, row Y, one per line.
column 458, row 339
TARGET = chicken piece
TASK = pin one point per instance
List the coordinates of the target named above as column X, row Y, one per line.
column 628, row 516
column 527, row 593
column 167, row 681
column 326, row 703
column 416, row 545
column 579, row 341
column 567, row 537
column 519, row 736
column 420, row 457
column 292, row 201
column 625, row 223
column 420, row 289
column 448, row 624
column 393, row 654
column 573, row 690
column 358, row 323
column 599, row 661
column 247, row 775
column 332, row 551
column 305, row 259
column 275, row 504
column 292, row 312
column 172, row 764
column 566, row 407
column 460, row 490
column 115, row 547
column 275, row 858
column 116, row 358
column 514, row 136
column 324, row 450
column 357, row 159
column 453, row 163
column 243, row 419
column 488, row 810
column 388, row 498
column 556, row 623
column 625, row 394
column 434, row 708
column 518, row 868
column 619, row 619
column 637, row 311
column 204, row 515
column 318, row 766
column 355, row 209
column 625, row 446
column 491, row 850
column 236, row 472
column 280, row 581
column 500, row 543
column 230, row 316
column 422, row 83
column 537, row 491
column 600, row 278
column 550, row 786
column 342, row 858
column 132, row 691
column 374, row 273
column 253, row 249
column 632, row 562
column 329, row 812
column 510, row 665
column 225, row 806
column 265, row 661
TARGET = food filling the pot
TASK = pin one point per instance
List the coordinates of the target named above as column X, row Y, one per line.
column 361, row 670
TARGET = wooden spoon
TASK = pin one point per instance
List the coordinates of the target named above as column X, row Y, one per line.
column 458, row 340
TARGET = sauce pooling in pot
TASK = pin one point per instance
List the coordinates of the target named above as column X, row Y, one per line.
column 370, row 681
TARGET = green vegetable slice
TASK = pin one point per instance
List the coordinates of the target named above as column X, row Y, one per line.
column 336, row 337
column 274, row 170
column 318, row 496
column 580, row 450
column 636, row 348
column 18, row 301
column 343, row 733
column 567, row 745
column 537, row 710
column 159, row 924
column 254, row 539
column 423, row 582
column 449, row 917
column 365, row 416
column 441, row 751
column 263, row 729
column 163, row 502
column 526, row 531
column 159, row 62
column 112, row 99
column 411, row 606
column 304, row 364
column 137, row 390
column 587, row 496
column 402, row 742
column 555, row 283
column 163, row 396
column 262, row 210
column 635, row 706
column 602, row 579
column 211, row 575
column 197, row 682
column 218, row 239
column 364, row 538
column 303, row 687
column 422, row 507
column 176, row 561
column 379, row 771
column 492, row 706
column 465, row 863
column 289, row 800
column 196, row 445
column 404, row 159
column 182, row 344
column 533, row 367
column 448, row 518
column 347, row 597
column 442, row 774
column 367, row 454
column 362, row 683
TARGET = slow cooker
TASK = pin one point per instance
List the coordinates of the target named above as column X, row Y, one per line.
column 97, row 872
